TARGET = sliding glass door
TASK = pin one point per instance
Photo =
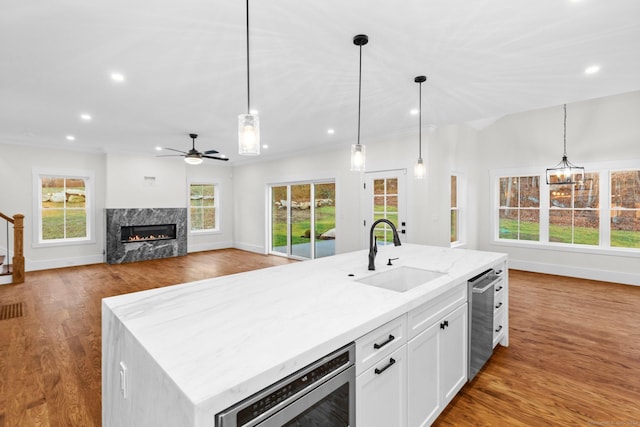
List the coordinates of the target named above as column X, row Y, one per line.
column 303, row 219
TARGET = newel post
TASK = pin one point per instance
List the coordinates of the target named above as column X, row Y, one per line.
column 18, row 249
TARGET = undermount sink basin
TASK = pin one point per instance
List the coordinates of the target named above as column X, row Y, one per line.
column 400, row 279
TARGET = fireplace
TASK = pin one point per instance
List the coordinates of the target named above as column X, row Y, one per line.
column 144, row 234
column 137, row 233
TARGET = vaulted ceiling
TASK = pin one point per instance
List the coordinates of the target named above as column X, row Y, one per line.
column 184, row 67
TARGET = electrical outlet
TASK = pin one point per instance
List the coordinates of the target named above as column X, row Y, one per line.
column 123, row 380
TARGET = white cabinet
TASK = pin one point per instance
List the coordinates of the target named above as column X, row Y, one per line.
column 381, row 392
column 436, row 366
column 381, row 372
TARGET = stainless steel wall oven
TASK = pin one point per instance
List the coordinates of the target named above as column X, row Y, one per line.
column 321, row 394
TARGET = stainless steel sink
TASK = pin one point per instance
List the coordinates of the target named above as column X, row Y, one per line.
column 400, row 279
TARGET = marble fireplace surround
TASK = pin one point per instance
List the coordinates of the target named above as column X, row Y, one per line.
column 118, row 252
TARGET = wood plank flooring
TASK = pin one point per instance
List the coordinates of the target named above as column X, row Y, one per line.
column 574, row 357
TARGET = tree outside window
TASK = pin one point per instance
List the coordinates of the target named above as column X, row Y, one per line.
column 625, row 209
column 202, row 207
column 574, row 212
column 519, row 210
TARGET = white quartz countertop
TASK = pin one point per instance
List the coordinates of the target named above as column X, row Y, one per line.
column 222, row 339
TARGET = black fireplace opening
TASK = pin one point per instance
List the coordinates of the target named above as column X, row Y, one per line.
column 142, row 233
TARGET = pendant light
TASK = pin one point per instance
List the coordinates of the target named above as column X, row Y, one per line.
column 419, row 170
column 565, row 172
column 358, row 150
column 248, row 124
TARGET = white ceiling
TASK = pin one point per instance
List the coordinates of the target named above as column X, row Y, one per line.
column 184, row 63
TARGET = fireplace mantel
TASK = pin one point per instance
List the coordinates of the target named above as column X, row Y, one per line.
column 118, row 252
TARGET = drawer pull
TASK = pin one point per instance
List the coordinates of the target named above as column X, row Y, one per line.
column 499, row 328
column 379, row 346
column 499, row 289
column 444, row 324
column 391, row 362
column 499, row 305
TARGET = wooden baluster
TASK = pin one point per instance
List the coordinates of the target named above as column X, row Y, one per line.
column 18, row 249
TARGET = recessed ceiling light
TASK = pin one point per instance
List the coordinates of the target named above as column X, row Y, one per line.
column 331, row 131
column 255, row 112
column 224, row 156
column 414, row 111
column 158, row 148
column 117, row 77
column 71, row 138
column 592, row 69
column 85, row 116
column 265, row 146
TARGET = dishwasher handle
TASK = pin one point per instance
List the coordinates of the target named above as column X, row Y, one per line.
column 487, row 286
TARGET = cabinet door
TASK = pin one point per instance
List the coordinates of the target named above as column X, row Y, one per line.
column 381, row 392
column 422, row 377
column 453, row 353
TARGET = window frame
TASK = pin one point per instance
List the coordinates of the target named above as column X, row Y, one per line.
column 604, row 169
column 216, row 205
column 89, row 177
column 461, row 198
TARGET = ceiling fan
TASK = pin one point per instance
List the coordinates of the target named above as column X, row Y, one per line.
column 193, row 156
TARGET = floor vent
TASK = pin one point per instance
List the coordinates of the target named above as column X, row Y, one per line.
column 11, row 311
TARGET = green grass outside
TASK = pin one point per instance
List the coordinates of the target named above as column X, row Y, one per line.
column 562, row 234
column 53, row 224
column 301, row 224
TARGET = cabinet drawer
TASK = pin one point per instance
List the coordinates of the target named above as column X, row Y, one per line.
column 380, row 342
column 499, row 300
column 424, row 316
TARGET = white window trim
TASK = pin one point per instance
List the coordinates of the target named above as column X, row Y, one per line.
column 217, row 191
column 604, row 169
column 89, row 177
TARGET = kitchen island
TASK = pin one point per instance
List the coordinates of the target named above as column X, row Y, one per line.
column 178, row 355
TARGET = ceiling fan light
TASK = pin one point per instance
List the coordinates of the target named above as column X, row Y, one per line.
column 248, row 135
column 193, row 159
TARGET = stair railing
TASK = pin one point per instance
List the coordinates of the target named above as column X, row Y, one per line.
column 17, row 263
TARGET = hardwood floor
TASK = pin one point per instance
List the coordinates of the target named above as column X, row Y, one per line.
column 574, row 355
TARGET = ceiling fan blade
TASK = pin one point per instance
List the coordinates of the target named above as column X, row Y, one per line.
column 211, row 152
column 173, row 149
column 224, row 159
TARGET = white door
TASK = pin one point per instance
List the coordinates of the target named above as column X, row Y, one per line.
column 384, row 196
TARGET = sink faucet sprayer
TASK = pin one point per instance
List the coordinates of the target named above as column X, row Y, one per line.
column 373, row 244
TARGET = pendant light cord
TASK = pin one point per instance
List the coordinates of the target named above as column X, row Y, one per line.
column 359, row 92
column 565, row 131
column 420, row 123
column 248, row 75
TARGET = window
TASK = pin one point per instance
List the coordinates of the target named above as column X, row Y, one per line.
column 601, row 213
column 203, row 212
column 574, row 215
column 519, row 210
column 303, row 219
column 455, row 210
column 63, row 206
column 625, row 209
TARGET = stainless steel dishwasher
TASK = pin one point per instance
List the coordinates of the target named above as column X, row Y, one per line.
column 481, row 290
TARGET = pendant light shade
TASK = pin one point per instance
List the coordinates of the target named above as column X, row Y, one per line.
column 358, row 150
column 419, row 171
column 565, row 172
column 248, row 124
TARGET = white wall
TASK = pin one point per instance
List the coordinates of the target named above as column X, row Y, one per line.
column 16, row 196
column 428, row 200
column 151, row 182
column 603, row 129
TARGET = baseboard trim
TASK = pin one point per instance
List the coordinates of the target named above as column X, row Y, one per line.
column 31, row 265
column 581, row 273
column 250, row 248
column 201, row 247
